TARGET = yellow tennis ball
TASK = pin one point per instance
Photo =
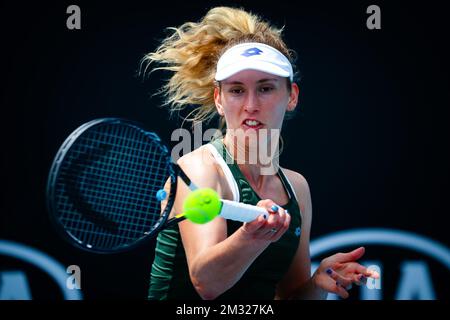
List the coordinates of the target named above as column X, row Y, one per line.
column 202, row 205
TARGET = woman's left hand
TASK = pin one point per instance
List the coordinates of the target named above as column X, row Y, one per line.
column 337, row 273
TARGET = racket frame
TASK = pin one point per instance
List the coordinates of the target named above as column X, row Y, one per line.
column 54, row 174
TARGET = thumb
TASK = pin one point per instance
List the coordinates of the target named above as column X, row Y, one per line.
column 350, row 256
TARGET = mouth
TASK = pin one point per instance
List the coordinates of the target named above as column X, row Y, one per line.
column 252, row 124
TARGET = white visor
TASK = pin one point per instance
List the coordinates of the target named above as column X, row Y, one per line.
column 254, row 56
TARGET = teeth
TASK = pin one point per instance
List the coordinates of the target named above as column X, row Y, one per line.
column 252, row 123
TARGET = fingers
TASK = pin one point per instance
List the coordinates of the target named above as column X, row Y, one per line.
column 342, row 271
column 355, row 271
column 269, row 205
column 276, row 224
column 282, row 225
column 340, row 280
column 360, row 279
column 372, row 274
column 356, row 268
column 349, row 256
column 340, row 291
column 255, row 226
column 366, row 272
column 330, row 285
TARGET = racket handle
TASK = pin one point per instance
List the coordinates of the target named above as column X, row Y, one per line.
column 241, row 211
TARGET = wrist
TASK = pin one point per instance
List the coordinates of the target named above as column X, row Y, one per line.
column 320, row 293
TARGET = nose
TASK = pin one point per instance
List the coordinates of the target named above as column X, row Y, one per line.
column 251, row 103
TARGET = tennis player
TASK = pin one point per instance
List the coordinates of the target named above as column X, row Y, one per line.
column 235, row 65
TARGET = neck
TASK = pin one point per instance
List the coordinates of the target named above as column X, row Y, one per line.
column 255, row 159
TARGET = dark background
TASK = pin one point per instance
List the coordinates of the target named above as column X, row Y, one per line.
column 370, row 135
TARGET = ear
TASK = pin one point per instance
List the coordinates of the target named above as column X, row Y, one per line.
column 218, row 101
column 293, row 97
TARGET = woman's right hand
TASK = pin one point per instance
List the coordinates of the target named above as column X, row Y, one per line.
column 270, row 229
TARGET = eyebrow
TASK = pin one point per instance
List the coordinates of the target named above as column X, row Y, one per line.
column 259, row 81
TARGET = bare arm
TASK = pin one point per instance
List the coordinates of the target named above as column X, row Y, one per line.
column 334, row 274
column 208, row 250
column 297, row 283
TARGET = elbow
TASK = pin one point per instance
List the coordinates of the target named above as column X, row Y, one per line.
column 206, row 294
column 205, row 289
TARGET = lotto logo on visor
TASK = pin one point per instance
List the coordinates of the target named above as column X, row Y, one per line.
column 251, row 52
column 253, row 56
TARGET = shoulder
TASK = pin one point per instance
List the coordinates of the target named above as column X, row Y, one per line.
column 201, row 155
column 298, row 182
column 302, row 191
column 202, row 168
column 296, row 179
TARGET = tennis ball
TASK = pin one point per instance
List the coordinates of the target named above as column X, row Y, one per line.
column 202, row 205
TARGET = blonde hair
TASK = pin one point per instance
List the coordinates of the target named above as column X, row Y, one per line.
column 193, row 50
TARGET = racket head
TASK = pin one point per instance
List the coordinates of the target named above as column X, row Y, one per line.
column 103, row 184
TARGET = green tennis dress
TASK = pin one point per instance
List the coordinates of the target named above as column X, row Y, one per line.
column 169, row 278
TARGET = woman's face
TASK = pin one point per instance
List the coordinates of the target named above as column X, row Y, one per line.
column 253, row 100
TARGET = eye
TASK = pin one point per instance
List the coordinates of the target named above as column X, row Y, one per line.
column 236, row 91
column 266, row 89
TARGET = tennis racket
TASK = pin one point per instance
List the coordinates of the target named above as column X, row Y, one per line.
column 107, row 183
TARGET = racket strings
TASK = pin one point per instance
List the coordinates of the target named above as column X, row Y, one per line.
column 116, row 170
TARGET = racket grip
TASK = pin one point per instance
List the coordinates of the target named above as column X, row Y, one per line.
column 242, row 212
